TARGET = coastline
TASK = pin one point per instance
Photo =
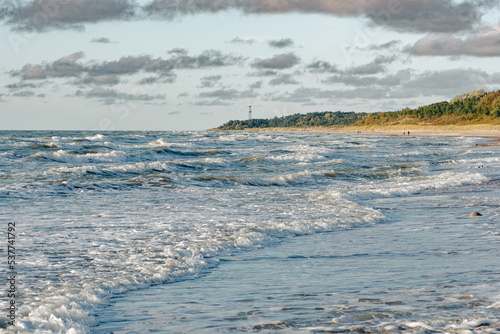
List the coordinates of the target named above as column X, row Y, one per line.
column 477, row 131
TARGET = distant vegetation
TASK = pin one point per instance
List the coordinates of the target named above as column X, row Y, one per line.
column 326, row 118
column 471, row 107
column 468, row 107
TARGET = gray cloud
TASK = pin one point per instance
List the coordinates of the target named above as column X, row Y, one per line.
column 256, row 85
column 31, row 72
column 24, row 93
column 21, row 85
column 103, row 40
column 385, row 46
column 227, row 94
column 301, row 95
column 283, row 79
column 238, row 40
column 211, row 103
column 125, row 65
column 109, row 72
column 207, row 59
column 277, row 62
column 63, row 67
column 210, row 81
column 405, row 15
column 320, row 66
column 106, row 79
column 67, row 66
column 164, row 77
column 223, row 97
column 374, row 67
column 264, row 73
column 484, row 43
column 41, row 15
column 447, row 82
column 370, row 81
column 281, row 43
column 110, row 96
column 402, row 85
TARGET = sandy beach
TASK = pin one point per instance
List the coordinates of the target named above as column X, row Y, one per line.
column 478, row 131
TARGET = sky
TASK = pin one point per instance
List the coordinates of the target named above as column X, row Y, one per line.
column 196, row 64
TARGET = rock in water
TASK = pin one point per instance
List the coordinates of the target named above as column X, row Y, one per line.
column 475, row 214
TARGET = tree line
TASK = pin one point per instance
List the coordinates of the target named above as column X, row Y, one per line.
column 325, row 118
column 468, row 106
column 473, row 105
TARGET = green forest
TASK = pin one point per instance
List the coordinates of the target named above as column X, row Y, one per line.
column 473, row 106
column 325, row 118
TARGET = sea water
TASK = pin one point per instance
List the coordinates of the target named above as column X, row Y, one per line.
column 202, row 232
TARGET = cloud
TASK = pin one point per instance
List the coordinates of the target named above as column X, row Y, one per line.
column 320, row 66
column 385, row 46
column 125, row 65
column 283, row 79
column 277, row 62
column 109, row 72
column 24, row 93
column 21, row 85
column 238, row 40
column 281, row 43
column 42, row 15
column 223, row 97
column 447, row 82
column 370, row 81
column 207, row 59
column 103, row 40
column 256, row 85
column 63, row 67
column 31, row 72
column 374, row 67
column 163, row 77
column 210, row 81
column 484, row 43
column 443, row 16
column 227, row 94
column 106, row 79
column 404, row 15
column 110, row 96
column 301, row 95
column 67, row 66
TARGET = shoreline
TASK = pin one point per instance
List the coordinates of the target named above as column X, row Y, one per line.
column 467, row 131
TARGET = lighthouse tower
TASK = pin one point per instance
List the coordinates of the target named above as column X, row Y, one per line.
column 250, row 112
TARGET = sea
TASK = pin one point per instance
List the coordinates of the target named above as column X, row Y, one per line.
column 248, row 232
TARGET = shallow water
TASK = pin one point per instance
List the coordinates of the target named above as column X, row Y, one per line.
column 228, row 232
column 415, row 273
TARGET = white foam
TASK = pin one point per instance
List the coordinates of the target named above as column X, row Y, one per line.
column 405, row 185
column 96, row 137
column 67, row 157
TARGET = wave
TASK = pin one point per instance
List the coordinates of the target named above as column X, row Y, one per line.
column 68, row 157
column 406, row 185
column 169, row 248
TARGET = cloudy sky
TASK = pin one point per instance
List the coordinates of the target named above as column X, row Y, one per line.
column 195, row 64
